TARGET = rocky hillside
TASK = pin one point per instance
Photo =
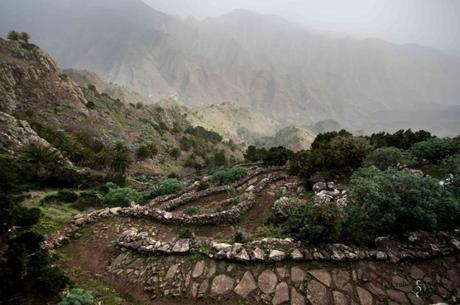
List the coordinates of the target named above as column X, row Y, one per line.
column 260, row 62
column 86, row 78
column 293, row 137
column 33, row 89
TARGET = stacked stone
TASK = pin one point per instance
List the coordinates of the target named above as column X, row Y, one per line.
column 269, row 250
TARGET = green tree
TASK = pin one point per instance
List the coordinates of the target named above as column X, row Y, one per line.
column 435, row 150
column 277, row 156
column 121, row 159
column 386, row 157
column 24, row 37
column 397, row 202
column 13, row 35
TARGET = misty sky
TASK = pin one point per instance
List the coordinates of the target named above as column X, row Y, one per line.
column 434, row 23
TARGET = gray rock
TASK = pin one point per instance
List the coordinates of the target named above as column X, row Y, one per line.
column 276, row 255
column 246, row 285
column 222, row 284
column 281, row 294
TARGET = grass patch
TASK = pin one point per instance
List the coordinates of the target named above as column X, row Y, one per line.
column 54, row 218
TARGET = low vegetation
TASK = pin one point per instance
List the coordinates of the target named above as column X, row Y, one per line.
column 229, row 175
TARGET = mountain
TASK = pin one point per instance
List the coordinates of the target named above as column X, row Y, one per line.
column 293, row 137
column 39, row 104
column 86, row 78
column 260, row 62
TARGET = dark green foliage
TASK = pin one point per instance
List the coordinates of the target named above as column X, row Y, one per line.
column 169, row 186
column 91, row 105
column 394, row 202
column 202, row 186
column 185, row 233
column 238, row 237
column 146, row 151
column 77, row 297
column 24, row 37
column 220, row 159
column 316, row 224
column 90, row 199
column 435, row 150
column 453, row 168
column 332, row 154
column 191, row 211
column 254, row 154
column 28, row 216
column 386, row 157
column 121, row 159
column 209, row 135
column 13, row 35
column 174, row 153
column 60, row 197
column 402, row 139
column 229, row 175
column 121, row 197
column 277, row 156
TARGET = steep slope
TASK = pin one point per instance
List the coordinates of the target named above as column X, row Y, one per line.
column 260, row 62
column 86, row 78
column 32, row 88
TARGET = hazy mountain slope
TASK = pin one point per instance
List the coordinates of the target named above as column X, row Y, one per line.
column 260, row 62
column 85, row 78
column 32, row 88
column 293, row 137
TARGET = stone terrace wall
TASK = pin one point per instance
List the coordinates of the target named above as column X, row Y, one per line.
column 423, row 245
column 364, row 282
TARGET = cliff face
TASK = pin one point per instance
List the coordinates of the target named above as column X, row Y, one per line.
column 30, row 81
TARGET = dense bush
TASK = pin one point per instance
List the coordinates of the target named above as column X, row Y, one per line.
column 332, row 154
column 386, row 157
column 60, row 197
column 169, row 186
column 202, row 186
column 209, row 135
column 316, row 224
column 402, row 139
column 121, row 197
column 435, row 150
column 174, row 152
column 254, row 154
column 90, row 199
column 219, row 158
column 453, row 165
column 397, row 202
column 229, row 175
column 28, row 216
column 277, row 156
column 77, row 297
column 146, row 151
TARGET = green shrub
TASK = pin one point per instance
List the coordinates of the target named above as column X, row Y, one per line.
column 332, row 154
column 60, row 197
column 91, row 199
column 77, row 296
column 28, row 216
column 277, row 156
column 121, row 197
column 254, row 154
column 146, row 151
column 316, row 224
column 238, row 237
column 229, row 175
column 202, row 186
column 397, row 202
column 435, row 150
column 174, row 153
column 185, row 233
column 191, row 211
column 208, row 135
column 386, row 157
column 169, row 186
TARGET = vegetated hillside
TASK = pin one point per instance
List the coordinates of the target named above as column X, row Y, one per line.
column 233, row 122
column 292, row 137
column 33, row 89
column 86, row 78
column 326, row 126
column 260, row 62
